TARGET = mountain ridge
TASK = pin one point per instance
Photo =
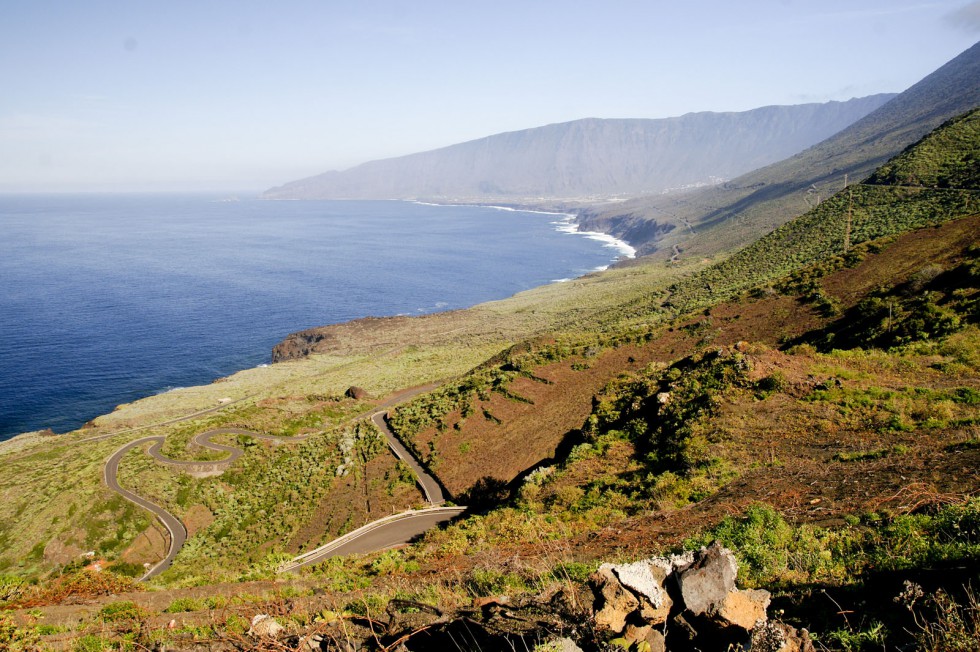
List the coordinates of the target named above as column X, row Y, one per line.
column 592, row 156
column 763, row 199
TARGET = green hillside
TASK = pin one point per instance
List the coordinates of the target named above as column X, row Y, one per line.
column 839, row 234
column 811, row 400
column 934, row 180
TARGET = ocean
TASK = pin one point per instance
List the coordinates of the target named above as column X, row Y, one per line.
column 105, row 299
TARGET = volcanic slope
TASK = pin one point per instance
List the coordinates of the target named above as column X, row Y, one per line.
column 518, row 411
column 726, row 217
column 823, row 424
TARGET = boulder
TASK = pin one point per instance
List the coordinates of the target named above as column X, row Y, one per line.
column 656, row 641
column 646, row 580
column 645, row 638
column 356, row 393
column 692, row 597
column 706, row 583
column 617, row 602
column 744, row 609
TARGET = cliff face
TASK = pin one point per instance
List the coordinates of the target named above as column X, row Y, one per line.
column 593, row 157
column 301, row 344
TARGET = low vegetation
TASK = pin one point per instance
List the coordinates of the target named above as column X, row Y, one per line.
column 812, row 402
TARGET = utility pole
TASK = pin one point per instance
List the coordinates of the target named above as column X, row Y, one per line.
column 847, row 232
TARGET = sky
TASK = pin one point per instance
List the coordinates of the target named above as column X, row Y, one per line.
column 242, row 95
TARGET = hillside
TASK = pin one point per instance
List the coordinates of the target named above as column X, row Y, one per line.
column 592, row 157
column 507, row 437
column 731, row 215
column 812, row 402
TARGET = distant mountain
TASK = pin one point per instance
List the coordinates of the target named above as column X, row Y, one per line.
column 734, row 214
column 593, row 157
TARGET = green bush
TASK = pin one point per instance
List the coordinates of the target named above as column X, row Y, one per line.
column 14, row 638
column 124, row 610
column 181, row 605
column 93, row 643
column 771, row 551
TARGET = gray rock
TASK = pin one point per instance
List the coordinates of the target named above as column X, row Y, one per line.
column 646, row 579
column 708, row 580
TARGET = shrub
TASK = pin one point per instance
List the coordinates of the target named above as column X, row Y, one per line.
column 181, row 605
column 948, row 625
column 771, row 384
column 93, row 643
column 15, row 638
column 122, row 611
column 770, row 550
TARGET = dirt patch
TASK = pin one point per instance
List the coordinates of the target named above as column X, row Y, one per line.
column 197, row 518
column 149, row 547
column 941, row 245
column 57, row 552
column 508, row 435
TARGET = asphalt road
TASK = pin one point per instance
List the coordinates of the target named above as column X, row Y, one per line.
column 430, row 486
column 178, row 533
column 379, row 535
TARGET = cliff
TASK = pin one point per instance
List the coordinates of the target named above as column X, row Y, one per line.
column 593, row 157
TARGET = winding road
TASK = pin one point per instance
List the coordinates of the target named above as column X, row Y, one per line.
column 378, row 535
column 430, row 486
column 178, row 533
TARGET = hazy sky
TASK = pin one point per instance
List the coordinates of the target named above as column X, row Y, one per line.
column 223, row 94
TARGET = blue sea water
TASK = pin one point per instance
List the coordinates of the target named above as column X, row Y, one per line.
column 108, row 298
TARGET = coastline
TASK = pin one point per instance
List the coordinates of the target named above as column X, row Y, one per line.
column 565, row 222
column 571, row 224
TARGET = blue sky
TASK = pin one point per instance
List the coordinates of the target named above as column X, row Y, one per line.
column 242, row 95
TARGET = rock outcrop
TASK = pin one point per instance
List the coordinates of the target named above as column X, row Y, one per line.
column 356, row 393
column 687, row 602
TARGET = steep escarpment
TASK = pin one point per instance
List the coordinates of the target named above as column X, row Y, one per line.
column 592, row 157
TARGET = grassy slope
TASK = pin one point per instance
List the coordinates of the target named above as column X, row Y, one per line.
column 514, row 409
column 502, row 424
column 820, row 435
column 501, row 421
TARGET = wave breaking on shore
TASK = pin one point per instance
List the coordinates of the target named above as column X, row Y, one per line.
column 567, row 224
